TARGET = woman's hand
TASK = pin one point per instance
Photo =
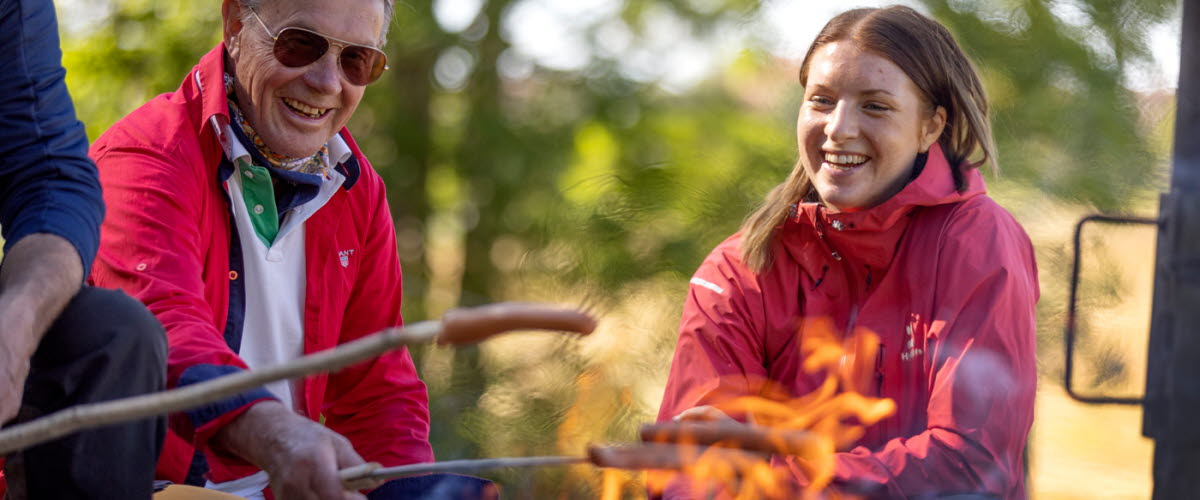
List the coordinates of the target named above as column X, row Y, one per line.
column 704, row 413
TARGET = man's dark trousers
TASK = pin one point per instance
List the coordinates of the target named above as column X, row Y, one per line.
column 105, row 345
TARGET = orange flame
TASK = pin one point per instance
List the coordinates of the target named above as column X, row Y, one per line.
column 809, row 429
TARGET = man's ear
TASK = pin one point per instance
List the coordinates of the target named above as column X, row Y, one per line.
column 931, row 128
column 231, row 20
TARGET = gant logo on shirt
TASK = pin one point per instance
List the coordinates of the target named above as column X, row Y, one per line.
column 911, row 351
column 344, row 257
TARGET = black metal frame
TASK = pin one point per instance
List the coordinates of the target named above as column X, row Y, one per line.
column 1172, row 398
column 1069, row 333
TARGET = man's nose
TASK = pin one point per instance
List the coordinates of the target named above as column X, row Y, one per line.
column 324, row 74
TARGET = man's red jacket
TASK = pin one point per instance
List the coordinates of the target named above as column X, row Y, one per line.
column 166, row 241
column 948, row 282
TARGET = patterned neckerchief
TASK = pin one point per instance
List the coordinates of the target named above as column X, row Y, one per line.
column 315, row 164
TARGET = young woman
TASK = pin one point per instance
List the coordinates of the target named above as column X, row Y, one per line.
column 882, row 226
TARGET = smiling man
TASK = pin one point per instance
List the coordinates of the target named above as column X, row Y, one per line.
column 244, row 216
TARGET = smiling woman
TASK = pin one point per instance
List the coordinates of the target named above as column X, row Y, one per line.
column 883, row 228
column 862, row 123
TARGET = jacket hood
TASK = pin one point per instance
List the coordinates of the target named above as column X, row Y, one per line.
column 934, row 186
column 870, row 236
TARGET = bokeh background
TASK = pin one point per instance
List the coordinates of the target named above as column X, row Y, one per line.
column 593, row 152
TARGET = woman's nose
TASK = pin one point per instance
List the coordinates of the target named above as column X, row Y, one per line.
column 842, row 123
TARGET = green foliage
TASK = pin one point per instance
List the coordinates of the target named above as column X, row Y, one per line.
column 139, row 49
column 1063, row 119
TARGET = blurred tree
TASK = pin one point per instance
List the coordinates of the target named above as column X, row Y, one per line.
column 1056, row 75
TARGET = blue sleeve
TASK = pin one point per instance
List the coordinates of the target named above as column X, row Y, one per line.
column 212, row 411
column 47, row 182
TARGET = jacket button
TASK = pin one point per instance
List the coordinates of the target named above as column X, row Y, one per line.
column 836, row 256
column 248, row 174
column 837, row 224
column 258, row 209
column 233, row 275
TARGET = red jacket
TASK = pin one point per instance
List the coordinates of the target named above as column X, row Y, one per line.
column 166, row 241
column 954, row 269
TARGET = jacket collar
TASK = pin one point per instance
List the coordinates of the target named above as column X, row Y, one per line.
column 207, row 82
column 870, row 236
column 934, row 186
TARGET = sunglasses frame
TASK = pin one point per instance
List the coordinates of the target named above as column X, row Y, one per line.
column 341, row 44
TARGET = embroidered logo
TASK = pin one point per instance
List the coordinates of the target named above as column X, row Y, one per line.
column 911, row 351
column 344, row 257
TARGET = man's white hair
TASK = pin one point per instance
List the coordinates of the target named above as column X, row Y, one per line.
column 388, row 9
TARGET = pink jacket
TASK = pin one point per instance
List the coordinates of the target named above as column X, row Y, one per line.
column 948, row 282
column 166, row 241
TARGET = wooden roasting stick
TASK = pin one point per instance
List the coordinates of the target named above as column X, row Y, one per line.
column 630, row 457
column 457, row 327
column 667, row 446
column 729, row 434
column 370, row 475
column 665, row 456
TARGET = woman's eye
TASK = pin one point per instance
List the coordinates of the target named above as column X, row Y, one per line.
column 821, row 100
column 876, row 107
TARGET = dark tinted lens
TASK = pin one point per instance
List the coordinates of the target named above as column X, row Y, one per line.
column 295, row 47
column 362, row 65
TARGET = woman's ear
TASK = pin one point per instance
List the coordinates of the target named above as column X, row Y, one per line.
column 931, row 128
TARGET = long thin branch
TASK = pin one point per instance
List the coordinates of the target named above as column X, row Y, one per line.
column 458, row 327
column 358, row 477
column 668, row 456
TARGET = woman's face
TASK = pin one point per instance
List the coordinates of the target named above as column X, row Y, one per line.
column 297, row 110
column 861, row 125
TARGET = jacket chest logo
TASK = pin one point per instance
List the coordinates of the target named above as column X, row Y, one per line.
column 911, row 351
column 344, row 257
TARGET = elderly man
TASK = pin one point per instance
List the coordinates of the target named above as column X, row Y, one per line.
column 61, row 345
column 244, row 216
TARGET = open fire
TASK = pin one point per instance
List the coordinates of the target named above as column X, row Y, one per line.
column 780, row 446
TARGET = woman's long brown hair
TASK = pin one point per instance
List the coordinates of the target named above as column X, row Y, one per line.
column 928, row 54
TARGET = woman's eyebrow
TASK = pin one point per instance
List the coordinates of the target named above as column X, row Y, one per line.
column 877, row 91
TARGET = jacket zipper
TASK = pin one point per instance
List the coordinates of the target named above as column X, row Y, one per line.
column 879, row 372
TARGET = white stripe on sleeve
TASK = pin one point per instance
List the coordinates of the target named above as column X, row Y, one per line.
column 708, row 285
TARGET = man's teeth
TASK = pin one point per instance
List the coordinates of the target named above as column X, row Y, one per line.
column 844, row 159
column 305, row 109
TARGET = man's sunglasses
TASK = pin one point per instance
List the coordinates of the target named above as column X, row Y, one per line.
column 298, row 47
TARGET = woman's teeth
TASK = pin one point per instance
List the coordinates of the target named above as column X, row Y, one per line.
column 305, row 109
column 844, row 160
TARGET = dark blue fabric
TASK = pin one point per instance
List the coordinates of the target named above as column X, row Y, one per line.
column 235, row 316
column 351, row 169
column 47, row 182
column 294, row 189
column 436, row 487
column 205, row 414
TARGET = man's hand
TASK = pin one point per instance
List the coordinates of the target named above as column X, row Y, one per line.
column 302, row 457
column 40, row 274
